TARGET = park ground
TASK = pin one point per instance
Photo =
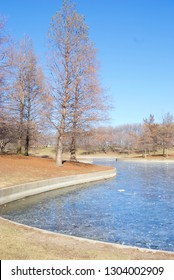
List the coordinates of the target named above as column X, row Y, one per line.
column 16, row 170
column 21, row 242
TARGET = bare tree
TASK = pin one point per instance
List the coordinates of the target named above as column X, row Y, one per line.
column 7, row 130
column 17, row 99
column 7, row 133
column 87, row 101
column 5, row 62
column 120, row 139
column 149, row 138
column 25, row 98
column 166, row 133
column 62, row 40
column 34, row 87
column 76, row 95
column 3, row 57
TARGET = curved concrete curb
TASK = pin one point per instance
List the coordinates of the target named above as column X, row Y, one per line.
column 20, row 191
column 88, row 248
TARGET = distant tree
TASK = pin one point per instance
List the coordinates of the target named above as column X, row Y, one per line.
column 125, row 137
column 101, row 139
column 133, row 134
column 121, row 139
column 166, row 133
column 149, row 139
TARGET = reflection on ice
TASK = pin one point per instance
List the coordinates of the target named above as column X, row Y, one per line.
column 135, row 208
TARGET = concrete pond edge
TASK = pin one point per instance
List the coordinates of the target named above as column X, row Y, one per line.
column 126, row 249
column 17, row 192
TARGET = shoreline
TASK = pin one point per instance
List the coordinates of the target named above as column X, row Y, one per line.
column 50, row 245
column 16, row 192
column 148, row 160
column 130, row 159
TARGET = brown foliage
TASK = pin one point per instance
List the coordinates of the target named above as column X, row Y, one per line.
column 75, row 98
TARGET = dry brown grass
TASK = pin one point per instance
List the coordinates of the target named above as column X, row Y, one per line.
column 16, row 170
column 19, row 242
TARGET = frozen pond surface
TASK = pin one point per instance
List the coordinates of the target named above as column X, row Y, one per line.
column 136, row 208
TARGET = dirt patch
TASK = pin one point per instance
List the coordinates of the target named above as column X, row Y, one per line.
column 16, row 170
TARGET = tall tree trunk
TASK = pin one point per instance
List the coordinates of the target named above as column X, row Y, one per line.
column 73, row 148
column 60, row 137
column 59, row 151
column 64, row 108
column 19, row 144
column 164, row 151
column 74, row 120
column 27, row 141
column 1, row 147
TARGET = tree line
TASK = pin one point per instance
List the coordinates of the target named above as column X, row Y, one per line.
column 148, row 137
column 66, row 102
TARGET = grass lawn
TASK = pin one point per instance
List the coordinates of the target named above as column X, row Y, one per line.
column 16, row 170
column 19, row 242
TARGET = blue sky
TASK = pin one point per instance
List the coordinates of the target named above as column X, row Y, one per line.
column 135, row 42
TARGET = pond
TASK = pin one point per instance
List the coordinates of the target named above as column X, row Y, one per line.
column 135, row 208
